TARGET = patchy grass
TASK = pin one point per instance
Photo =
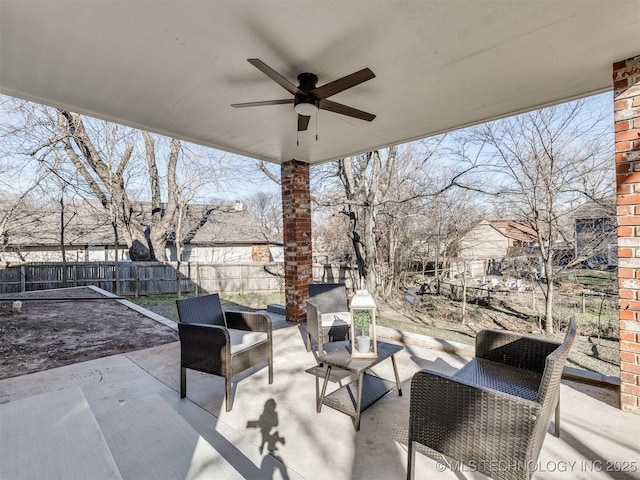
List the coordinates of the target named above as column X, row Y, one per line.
column 596, row 349
column 165, row 305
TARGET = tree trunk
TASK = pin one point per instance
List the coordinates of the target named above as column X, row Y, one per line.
column 548, row 320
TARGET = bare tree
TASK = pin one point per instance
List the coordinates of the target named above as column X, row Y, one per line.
column 544, row 163
column 119, row 166
column 105, row 177
column 382, row 198
column 267, row 207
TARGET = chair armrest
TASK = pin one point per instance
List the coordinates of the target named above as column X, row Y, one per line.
column 469, row 423
column 252, row 321
column 313, row 317
column 198, row 342
column 514, row 349
column 202, row 329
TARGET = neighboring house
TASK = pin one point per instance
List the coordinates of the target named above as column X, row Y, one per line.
column 33, row 234
column 596, row 240
column 482, row 249
column 227, row 235
column 213, row 234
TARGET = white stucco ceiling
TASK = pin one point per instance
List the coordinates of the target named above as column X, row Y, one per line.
column 174, row 67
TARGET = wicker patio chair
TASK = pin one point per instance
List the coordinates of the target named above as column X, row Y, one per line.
column 221, row 343
column 328, row 316
column 494, row 413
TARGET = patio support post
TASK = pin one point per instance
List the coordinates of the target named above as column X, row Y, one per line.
column 626, row 84
column 296, row 214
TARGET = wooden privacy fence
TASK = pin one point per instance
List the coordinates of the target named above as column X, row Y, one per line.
column 145, row 278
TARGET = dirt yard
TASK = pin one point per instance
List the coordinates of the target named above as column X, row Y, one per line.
column 59, row 331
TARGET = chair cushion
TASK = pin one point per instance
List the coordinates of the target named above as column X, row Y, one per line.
column 335, row 319
column 503, row 378
column 243, row 339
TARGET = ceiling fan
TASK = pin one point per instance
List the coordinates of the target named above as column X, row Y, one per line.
column 308, row 98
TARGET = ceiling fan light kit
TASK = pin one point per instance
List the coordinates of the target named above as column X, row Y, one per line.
column 307, row 98
column 305, row 105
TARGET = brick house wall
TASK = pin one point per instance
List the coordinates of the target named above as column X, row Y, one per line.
column 626, row 84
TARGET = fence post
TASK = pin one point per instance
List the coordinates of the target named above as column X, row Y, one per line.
column 136, row 279
column 197, row 279
column 23, row 278
column 533, row 297
column 116, row 275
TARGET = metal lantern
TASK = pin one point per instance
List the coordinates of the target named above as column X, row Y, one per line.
column 363, row 325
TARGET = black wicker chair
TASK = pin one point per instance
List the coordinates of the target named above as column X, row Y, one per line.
column 494, row 413
column 221, row 343
column 328, row 316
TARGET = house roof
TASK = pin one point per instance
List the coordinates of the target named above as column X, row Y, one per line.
column 175, row 67
column 597, row 208
column 515, row 230
column 89, row 224
column 226, row 225
column 30, row 225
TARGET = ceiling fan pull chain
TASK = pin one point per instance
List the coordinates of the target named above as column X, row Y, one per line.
column 297, row 138
column 316, row 125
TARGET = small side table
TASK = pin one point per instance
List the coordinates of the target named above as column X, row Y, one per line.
column 355, row 397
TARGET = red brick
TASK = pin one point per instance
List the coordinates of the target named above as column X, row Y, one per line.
column 631, row 347
column 621, row 65
column 623, row 146
column 628, row 399
column 628, row 378
column 620, row 85
column 625, row 252
column 627, row 294
column 632, row 199
column 624, row 189
column 631, row 220
column 626, row 273
column 630, row 367
column 630, row 389
column 629, row 336
column 628, row 135
column 623, row 167
column 628, row 357
column 625, row 231
column 624, row 313
column 621, row 105
column 622, row 125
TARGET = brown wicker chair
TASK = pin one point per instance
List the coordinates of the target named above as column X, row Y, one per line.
column 328, row 316
column 494, row 413
column 221, row 343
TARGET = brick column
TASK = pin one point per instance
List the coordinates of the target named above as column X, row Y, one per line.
column 626, row 84
column 296, row 214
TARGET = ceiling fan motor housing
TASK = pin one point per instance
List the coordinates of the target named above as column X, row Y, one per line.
column 307, row 81
column 307, row 104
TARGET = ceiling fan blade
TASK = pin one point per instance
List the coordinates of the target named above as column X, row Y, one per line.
column 275, row 76
column 342, row 84
column 344, row 110
column 303, row 122
column 262, row 104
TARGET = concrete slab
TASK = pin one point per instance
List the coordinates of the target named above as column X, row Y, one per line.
column 149, row 439
column 54, row 436
column 274, row 431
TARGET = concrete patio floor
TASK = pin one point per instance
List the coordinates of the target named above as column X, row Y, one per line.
column 122, row 417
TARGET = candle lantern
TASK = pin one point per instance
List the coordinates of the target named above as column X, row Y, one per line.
column 363, row 325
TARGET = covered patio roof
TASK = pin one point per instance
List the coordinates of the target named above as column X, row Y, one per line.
column 175, row 67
